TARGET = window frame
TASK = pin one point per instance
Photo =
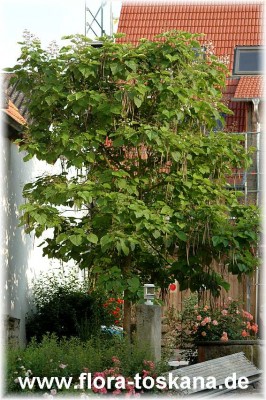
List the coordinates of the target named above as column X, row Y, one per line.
column 237, row 53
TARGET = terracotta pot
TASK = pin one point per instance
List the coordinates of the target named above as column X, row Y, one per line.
column 253, row 350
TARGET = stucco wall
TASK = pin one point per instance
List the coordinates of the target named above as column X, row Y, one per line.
column 23, row 258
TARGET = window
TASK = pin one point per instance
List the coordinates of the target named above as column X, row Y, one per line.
column 248, row 60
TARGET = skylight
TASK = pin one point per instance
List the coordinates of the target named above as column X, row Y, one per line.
column 248, row 60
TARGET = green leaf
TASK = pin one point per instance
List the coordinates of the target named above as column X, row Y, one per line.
column 61, row 237
column 118, row 142
column 166, row 113
column 79, row 95
column 90, row 157
column 156, row 234
column 124, row 247
column 115, row 68
column 85, row 195
column 50, row 100
column 132, row 65
column 115, row 109
column 106, row 240
column 86, row 71
column 137, row 101
column 92, row 238
column 133, row 284
column 221, row 240
column 40, row 218
column 176, row 155
column 225, row 285
column 122, row 183
column 182, row 236
column 76, row 239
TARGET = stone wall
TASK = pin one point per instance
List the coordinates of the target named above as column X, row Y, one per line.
column 12, row 328
column 253, row 350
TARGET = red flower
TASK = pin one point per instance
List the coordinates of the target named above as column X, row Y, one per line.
column 254, row 328
column 172, row 287
column 244, row 333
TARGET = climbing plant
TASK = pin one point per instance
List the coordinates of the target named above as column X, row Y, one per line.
column 143, row 165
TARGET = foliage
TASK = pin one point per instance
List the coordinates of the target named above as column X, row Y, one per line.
column 179, row 323
column 64, row 306
column 49, row 283
column 148, row 370
column 71, row 357
column 113, row 307
column 138, row 125
column 204, row 323
column 230, row 322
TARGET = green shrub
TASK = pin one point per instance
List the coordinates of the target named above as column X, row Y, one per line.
column 71, row 357
column 64, row 306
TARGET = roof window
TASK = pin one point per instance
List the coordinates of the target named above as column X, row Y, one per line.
column 248, row 60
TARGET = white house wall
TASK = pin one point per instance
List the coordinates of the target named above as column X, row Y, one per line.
column 24, row 260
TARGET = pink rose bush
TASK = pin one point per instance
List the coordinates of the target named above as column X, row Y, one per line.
column 229, row 322
column 129, row 390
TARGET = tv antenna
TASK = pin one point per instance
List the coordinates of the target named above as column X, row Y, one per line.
column 96, row 20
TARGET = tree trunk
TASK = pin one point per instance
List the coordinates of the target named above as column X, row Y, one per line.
column 127, row 303
column 127, row 317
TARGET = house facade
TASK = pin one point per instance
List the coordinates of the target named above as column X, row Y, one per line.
column 232, row 32
column 23, row 261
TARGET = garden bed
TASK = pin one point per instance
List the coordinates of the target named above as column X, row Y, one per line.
column 70, row 358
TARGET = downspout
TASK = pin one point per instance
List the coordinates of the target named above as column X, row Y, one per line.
column 245, row 173
column 256, row 102
column 246, row 202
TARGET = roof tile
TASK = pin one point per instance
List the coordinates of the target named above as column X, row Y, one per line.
column 250, row 87
column 13, row 112
column 227, row 25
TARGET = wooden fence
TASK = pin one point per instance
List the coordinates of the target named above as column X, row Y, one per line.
column 243, row 290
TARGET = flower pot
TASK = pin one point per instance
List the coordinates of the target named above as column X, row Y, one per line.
column 213, row 349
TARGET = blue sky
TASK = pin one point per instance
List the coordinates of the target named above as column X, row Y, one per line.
column 47, row 19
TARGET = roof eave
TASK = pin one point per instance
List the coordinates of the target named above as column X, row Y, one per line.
column 9, row 121
column 247, row 99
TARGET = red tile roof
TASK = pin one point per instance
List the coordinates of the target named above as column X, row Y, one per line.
column 250, row 87
column 225, row 25
column 13, row 112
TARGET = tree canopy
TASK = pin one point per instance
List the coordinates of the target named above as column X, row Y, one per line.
column 137, row 124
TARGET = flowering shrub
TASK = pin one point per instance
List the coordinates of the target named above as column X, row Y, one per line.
column 114, row 308
column 129, row 389
column 69, row 358
column 228, row 323
column 202, row 323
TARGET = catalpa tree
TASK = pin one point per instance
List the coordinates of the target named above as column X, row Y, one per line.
column 137, row 125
